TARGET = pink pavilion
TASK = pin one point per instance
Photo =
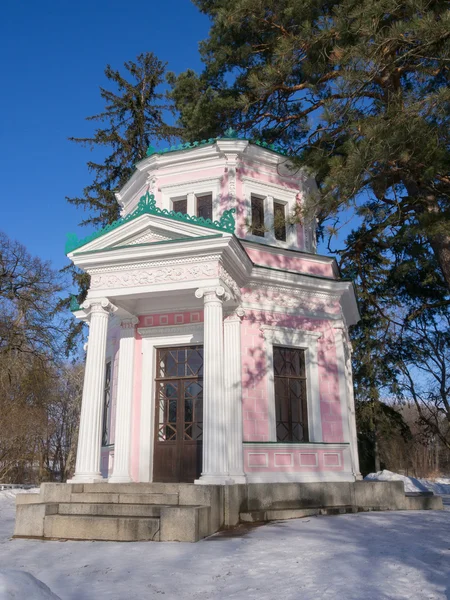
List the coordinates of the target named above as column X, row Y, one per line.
column 218, row 347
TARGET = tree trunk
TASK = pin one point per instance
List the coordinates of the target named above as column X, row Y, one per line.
column 440, row 244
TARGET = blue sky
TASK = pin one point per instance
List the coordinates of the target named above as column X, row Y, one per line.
column 52, row 57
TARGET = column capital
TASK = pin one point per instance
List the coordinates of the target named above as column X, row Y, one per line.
column 211, row 294
column 129, row 323
column 99, row 306
column 235, row 316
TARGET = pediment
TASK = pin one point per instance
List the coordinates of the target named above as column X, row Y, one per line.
column 146, row 229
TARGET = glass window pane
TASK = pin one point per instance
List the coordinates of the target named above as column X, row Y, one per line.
column 257, row 206
column 180, row 205
column 279, row 220
column 204, row 206
column 290, row 394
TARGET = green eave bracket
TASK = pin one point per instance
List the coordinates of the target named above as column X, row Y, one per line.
column 147, row 206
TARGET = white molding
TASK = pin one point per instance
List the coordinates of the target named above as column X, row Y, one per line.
column 301, row 445
column 346, row 396
column 191, row 189
column 306, row 340
column 157, row 337
column 269, row 192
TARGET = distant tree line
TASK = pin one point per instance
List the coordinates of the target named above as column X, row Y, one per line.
column 40, row 390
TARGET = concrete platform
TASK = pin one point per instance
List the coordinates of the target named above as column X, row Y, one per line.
column 188, row 512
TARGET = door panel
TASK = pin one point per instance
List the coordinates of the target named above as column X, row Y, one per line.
column 178, row 414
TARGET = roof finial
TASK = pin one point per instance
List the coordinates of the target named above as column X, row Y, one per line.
column 230, row 133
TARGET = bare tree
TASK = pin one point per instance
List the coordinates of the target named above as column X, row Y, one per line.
column 423, row 360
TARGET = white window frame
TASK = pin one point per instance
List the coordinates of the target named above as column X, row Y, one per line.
column 270, row 193
column 176, row 199
column 303, row 340
column 152, row 339
column 190, row 190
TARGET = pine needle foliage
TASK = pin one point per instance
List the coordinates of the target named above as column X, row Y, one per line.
column 356, row 90
column 132, row 119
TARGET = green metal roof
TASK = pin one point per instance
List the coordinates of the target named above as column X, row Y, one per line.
column 230, row 134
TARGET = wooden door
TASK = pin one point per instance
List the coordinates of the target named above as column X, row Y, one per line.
column 178, row 414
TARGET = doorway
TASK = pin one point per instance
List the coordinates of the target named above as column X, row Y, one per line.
column 178, row 414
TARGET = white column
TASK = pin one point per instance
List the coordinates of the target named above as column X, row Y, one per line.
column 233, row 390
column 215, row 459
column 87, row 468
column 346, row 393
column 124, row 406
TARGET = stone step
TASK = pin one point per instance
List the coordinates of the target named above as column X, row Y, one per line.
column 110, row 498
column 257, row 516
column 114, row 510
column 280, row 514
column 84, row 527
column 131, row 488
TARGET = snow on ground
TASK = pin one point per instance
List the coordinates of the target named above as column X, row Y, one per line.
column 18, row 585
column 439, row 486
column 375, row 556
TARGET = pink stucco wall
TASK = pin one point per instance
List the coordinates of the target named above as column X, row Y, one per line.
column 290, row 263
column 254, row 375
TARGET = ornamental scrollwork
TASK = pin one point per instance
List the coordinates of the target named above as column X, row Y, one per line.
column 151, row 276
column 147, row 206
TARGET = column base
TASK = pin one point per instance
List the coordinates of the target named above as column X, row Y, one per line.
column 119, row 479
column 87, row 478
column 214, row 480
column 239, row 478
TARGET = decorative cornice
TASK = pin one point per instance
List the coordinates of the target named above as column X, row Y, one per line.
column 229, row 282
column 156, row 263
column 147, row 206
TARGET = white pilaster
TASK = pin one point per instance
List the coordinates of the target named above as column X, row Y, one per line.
column 87, row 468
column 233, row 390
column 347, row 397
column 215, row 458
column 122, row 439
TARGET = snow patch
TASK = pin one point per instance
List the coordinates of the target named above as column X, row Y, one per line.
column 440, row 486
column 20, row 585
column 11, row 493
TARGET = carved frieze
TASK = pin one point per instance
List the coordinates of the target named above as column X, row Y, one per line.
column 137, row 277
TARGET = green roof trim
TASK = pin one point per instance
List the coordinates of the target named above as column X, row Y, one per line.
column 74, row 306
column 147, row 206
column 230, row 134
column 174, row 241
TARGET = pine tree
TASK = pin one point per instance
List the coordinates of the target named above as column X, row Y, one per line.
column 133, row 118
column 355, row 89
